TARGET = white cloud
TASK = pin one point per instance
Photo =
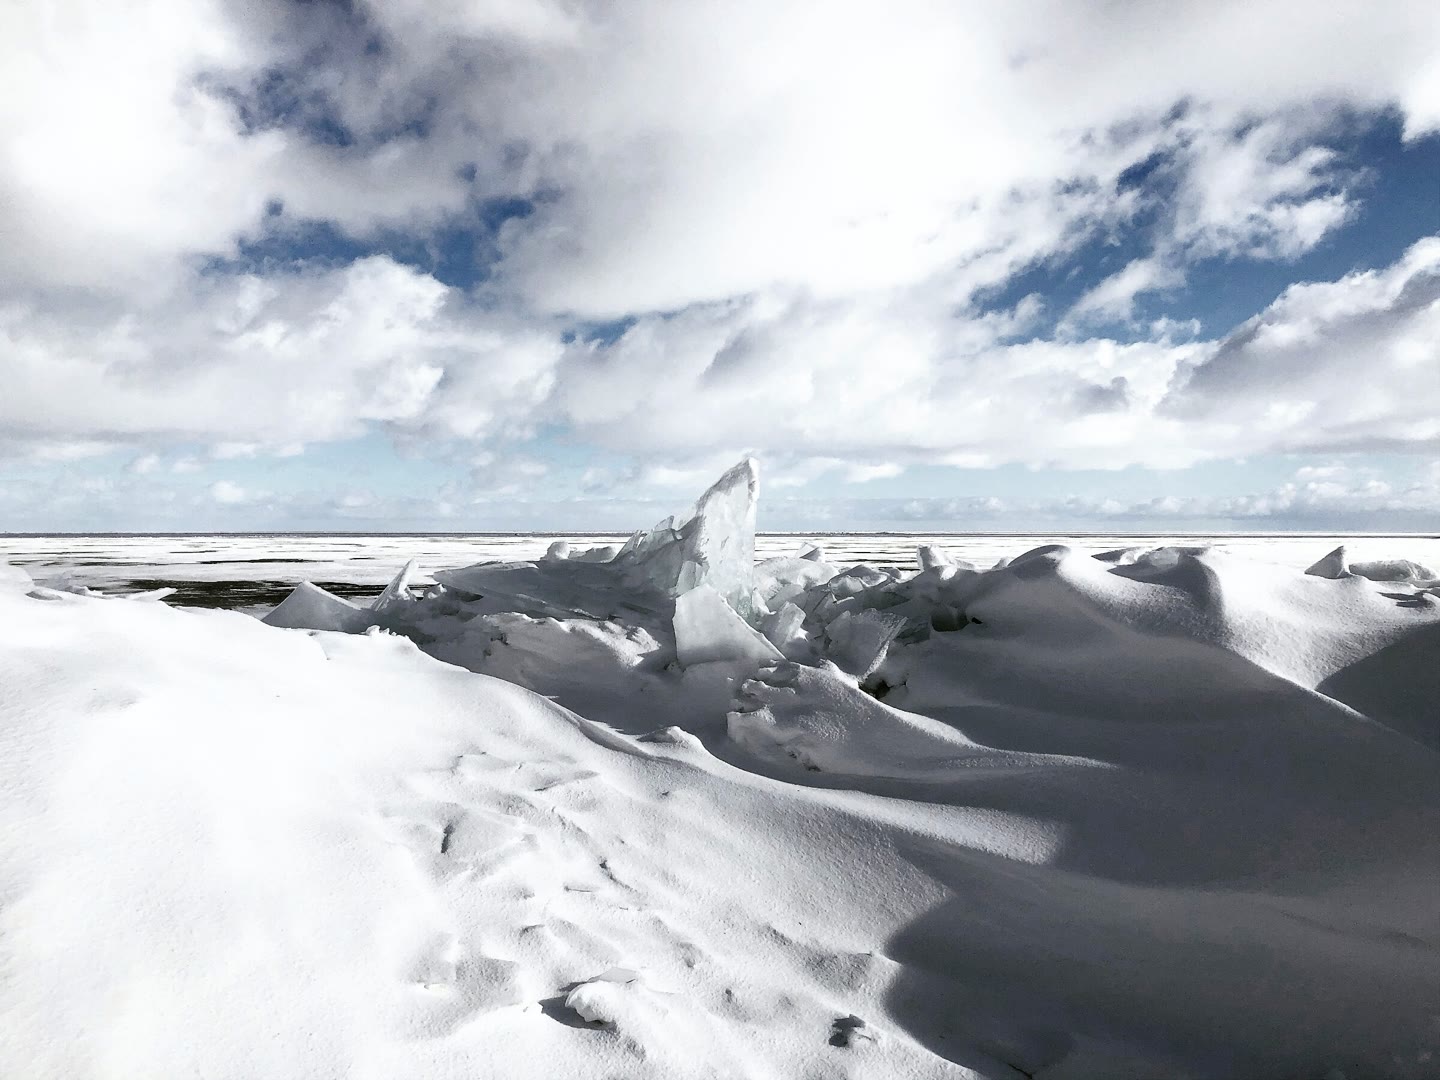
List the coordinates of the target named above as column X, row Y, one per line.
column 499, row 475
column 735, row 147
column 1114, row 298
column 798, row 206
column 249, row 363
column 863, row 474
column 1263, row 192
column 1335, row 366
column 228, row 494
column 844, row 380
column 1343, row 365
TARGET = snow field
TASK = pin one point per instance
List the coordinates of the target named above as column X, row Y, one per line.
column 639, row 813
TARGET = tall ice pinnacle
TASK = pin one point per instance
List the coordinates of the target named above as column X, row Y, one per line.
column 714, row 545
column 720, row 537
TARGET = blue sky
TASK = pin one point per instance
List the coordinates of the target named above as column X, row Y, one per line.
column 552, row 265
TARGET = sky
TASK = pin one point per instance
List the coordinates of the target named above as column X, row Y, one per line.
column 452, row 265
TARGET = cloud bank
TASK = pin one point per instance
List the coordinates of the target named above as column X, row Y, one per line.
column 693, row 229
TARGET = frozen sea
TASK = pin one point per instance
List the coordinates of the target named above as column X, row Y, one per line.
column 256, row 570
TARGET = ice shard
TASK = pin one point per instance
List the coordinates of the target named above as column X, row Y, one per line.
column 1333, row 566
column 707, row 629
column 714, row 545
column 859, row 640
column 397, row 596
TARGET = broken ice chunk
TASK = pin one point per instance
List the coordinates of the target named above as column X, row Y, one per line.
column 601, row 553
column 1333, row 566
column 859, row 640
column 708, row 629
column 720, row 549
column 714, row 546
column 780, row 580
column 931, row 557
column 151, row 594
column 397, row 594
column 310, row 607
column 785, row 629
column 558, row 551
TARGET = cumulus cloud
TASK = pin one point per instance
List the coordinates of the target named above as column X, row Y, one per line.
column 1343, row 365
column 249, row 362
column 1330, row 366
column 228, row 494
column 743, row 146
column 860, row 390
column 840, row 380
column 1114, row 297
column 682, row 153
column 798, row 216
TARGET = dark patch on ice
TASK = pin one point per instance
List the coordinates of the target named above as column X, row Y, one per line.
column 223, row 562
column 236, row 594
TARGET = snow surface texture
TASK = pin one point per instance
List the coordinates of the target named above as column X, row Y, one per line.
column 1140, row 814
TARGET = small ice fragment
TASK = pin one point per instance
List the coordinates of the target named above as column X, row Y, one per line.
column 813, row 552
column 708, row 629
column 397, row 593
column 310, row 607
column 151, row 594
column 1332, row 566
column 558, row 551
column 931, row 557
column 617, row 975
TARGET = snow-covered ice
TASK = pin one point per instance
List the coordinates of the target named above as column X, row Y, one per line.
column 654, row 809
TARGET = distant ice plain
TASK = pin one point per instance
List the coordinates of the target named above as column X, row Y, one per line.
column 127, row 562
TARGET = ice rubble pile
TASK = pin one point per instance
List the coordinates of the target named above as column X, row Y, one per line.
column 688, row 592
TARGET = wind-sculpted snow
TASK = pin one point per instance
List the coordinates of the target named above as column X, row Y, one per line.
column 1121, row 815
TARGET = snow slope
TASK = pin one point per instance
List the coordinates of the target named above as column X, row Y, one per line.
column 1158, row 813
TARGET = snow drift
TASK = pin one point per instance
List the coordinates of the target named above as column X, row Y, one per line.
column 1131, row 814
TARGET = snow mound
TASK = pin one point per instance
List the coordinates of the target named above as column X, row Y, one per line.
column 1160, row 812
